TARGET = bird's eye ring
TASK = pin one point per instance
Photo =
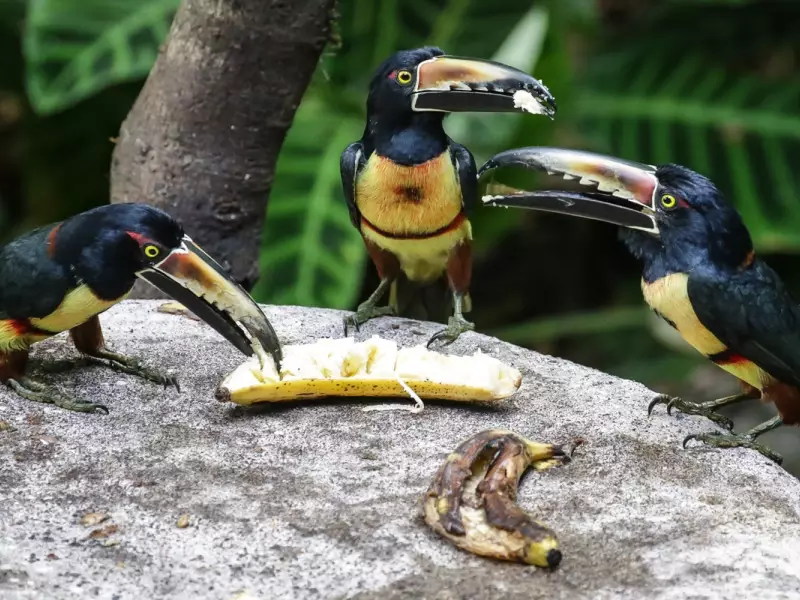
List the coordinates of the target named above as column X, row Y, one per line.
column 668, row 201
column 404, row 77
column 151, row 251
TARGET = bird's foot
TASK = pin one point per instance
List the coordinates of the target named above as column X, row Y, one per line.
column 39, row 392
column 745, row 440
column 132, row 366
column 705, row 409
column 456, row 325
column 365, row 312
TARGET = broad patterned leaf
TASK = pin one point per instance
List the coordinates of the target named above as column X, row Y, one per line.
column 741, row 131
column 312, row 255
column 75, row 48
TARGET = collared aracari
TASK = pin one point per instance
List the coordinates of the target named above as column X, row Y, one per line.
column 60, row 277
column 700, row 273
column 410, row 189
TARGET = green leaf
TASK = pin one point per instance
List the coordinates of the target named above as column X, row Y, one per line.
column 312, row 255
column 74, row 48
column 741, row 131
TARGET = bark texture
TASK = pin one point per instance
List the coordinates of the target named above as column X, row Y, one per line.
column 202, row 139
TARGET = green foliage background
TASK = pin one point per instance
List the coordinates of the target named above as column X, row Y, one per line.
column 712, row 84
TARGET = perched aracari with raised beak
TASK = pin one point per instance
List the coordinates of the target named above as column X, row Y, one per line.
column 701, row 274
column 411, row 189
column 60, row 277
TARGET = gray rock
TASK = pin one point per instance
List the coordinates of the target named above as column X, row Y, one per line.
column 321, row 499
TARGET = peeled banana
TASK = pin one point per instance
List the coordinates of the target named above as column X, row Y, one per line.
column 372, row 368
column 471, row 501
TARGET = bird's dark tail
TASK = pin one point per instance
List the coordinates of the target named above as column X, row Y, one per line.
column 424, row 301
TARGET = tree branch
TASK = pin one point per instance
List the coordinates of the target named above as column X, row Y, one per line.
column 202, row 139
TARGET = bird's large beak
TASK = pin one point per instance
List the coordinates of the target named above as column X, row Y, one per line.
column 197, row 281
column 455, row 84
column 623, row 192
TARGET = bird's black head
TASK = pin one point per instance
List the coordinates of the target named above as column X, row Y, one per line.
column 695, row 224
column 673, row 218
column 108, row 247
column 392, row 85
column 425, row 81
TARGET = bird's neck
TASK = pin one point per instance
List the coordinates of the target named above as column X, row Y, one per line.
column 109, row 284
column 93, row 259
column 660, row 259
column 684, row 253
column 409, row 139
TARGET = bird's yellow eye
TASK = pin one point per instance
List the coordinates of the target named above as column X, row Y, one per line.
column 668, row 201
column 404, row 77
column 151, row 251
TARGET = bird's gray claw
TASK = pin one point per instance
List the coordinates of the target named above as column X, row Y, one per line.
column 691, row 408
column 456, row 325
column 366, row 312
column 350, row 321
column 723, row 440
column 660, row 399
column 439, row 335
column 699, row 437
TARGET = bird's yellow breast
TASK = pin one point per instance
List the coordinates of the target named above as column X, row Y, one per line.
column 669, row 297
column 77, row 307
column 414, row 199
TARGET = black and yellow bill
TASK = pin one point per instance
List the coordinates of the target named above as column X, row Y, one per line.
column 623, row 192
column 457, row 84
column 190, row 276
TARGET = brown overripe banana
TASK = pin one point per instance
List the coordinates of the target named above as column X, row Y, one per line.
column 472, row 499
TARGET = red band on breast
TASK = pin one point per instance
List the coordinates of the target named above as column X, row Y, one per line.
column 452, row 226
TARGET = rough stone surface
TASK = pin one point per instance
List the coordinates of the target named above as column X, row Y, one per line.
column 321, row 499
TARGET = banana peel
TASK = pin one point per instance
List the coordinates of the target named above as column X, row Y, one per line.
column 472, row 499
column 375, row 367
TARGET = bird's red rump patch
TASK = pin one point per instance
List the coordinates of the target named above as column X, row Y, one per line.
column 728, row 357
column 736, row 359
column 21, row 326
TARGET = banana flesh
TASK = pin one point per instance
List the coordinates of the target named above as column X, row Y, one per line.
column 472, row 499
column 372, row 368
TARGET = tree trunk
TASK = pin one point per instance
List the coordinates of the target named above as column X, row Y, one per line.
column 202, row 139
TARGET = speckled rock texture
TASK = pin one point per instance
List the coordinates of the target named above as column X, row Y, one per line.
column 321, row 499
